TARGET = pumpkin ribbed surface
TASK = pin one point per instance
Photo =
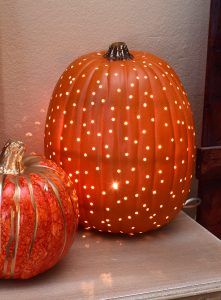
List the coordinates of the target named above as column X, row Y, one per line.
column 38, row 214
column 123, row 131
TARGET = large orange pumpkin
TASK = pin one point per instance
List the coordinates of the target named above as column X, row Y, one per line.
column 121, row 125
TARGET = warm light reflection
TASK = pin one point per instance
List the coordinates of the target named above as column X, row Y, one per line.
column 115, row 185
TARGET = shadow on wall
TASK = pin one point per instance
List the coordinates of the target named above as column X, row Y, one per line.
column 22, row 88
column 2, row 118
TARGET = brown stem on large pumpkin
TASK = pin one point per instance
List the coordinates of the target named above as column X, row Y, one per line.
column 11, row 158
column 118, row 51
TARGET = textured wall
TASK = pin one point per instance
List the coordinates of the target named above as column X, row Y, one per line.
column 40, row 38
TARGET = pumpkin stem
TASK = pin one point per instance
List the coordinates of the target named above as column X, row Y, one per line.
column 11, row 158
column 118, row 51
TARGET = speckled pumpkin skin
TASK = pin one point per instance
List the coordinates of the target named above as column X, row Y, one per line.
column 123, row 131
column 35, row 232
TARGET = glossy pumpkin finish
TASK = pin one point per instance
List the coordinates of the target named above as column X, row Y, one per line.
column 123, row 130
column 38, row 213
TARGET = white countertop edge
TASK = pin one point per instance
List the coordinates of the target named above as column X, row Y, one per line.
column 174, row 293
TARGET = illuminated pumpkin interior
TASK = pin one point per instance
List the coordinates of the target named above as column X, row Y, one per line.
column 121, row 126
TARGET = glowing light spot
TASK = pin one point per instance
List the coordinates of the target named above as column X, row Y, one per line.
column 118, row 171
column 115, row 185
column 118, row 90
column 28, row 134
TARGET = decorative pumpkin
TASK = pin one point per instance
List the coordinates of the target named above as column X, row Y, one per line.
column 121, row 125
column 38, row 213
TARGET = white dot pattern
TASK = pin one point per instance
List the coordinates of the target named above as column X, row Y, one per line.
column 125, row 135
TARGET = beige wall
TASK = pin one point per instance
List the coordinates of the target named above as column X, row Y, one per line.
column 40, row 38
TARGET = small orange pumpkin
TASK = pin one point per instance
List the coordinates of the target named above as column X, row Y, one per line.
column 38, row 213
column 121, row 125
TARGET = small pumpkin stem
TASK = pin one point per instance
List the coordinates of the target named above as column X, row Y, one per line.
column 118, row 51
column 11, row 158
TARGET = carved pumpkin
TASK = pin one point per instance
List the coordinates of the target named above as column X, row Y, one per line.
column 38, row 213
column 121, row 125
